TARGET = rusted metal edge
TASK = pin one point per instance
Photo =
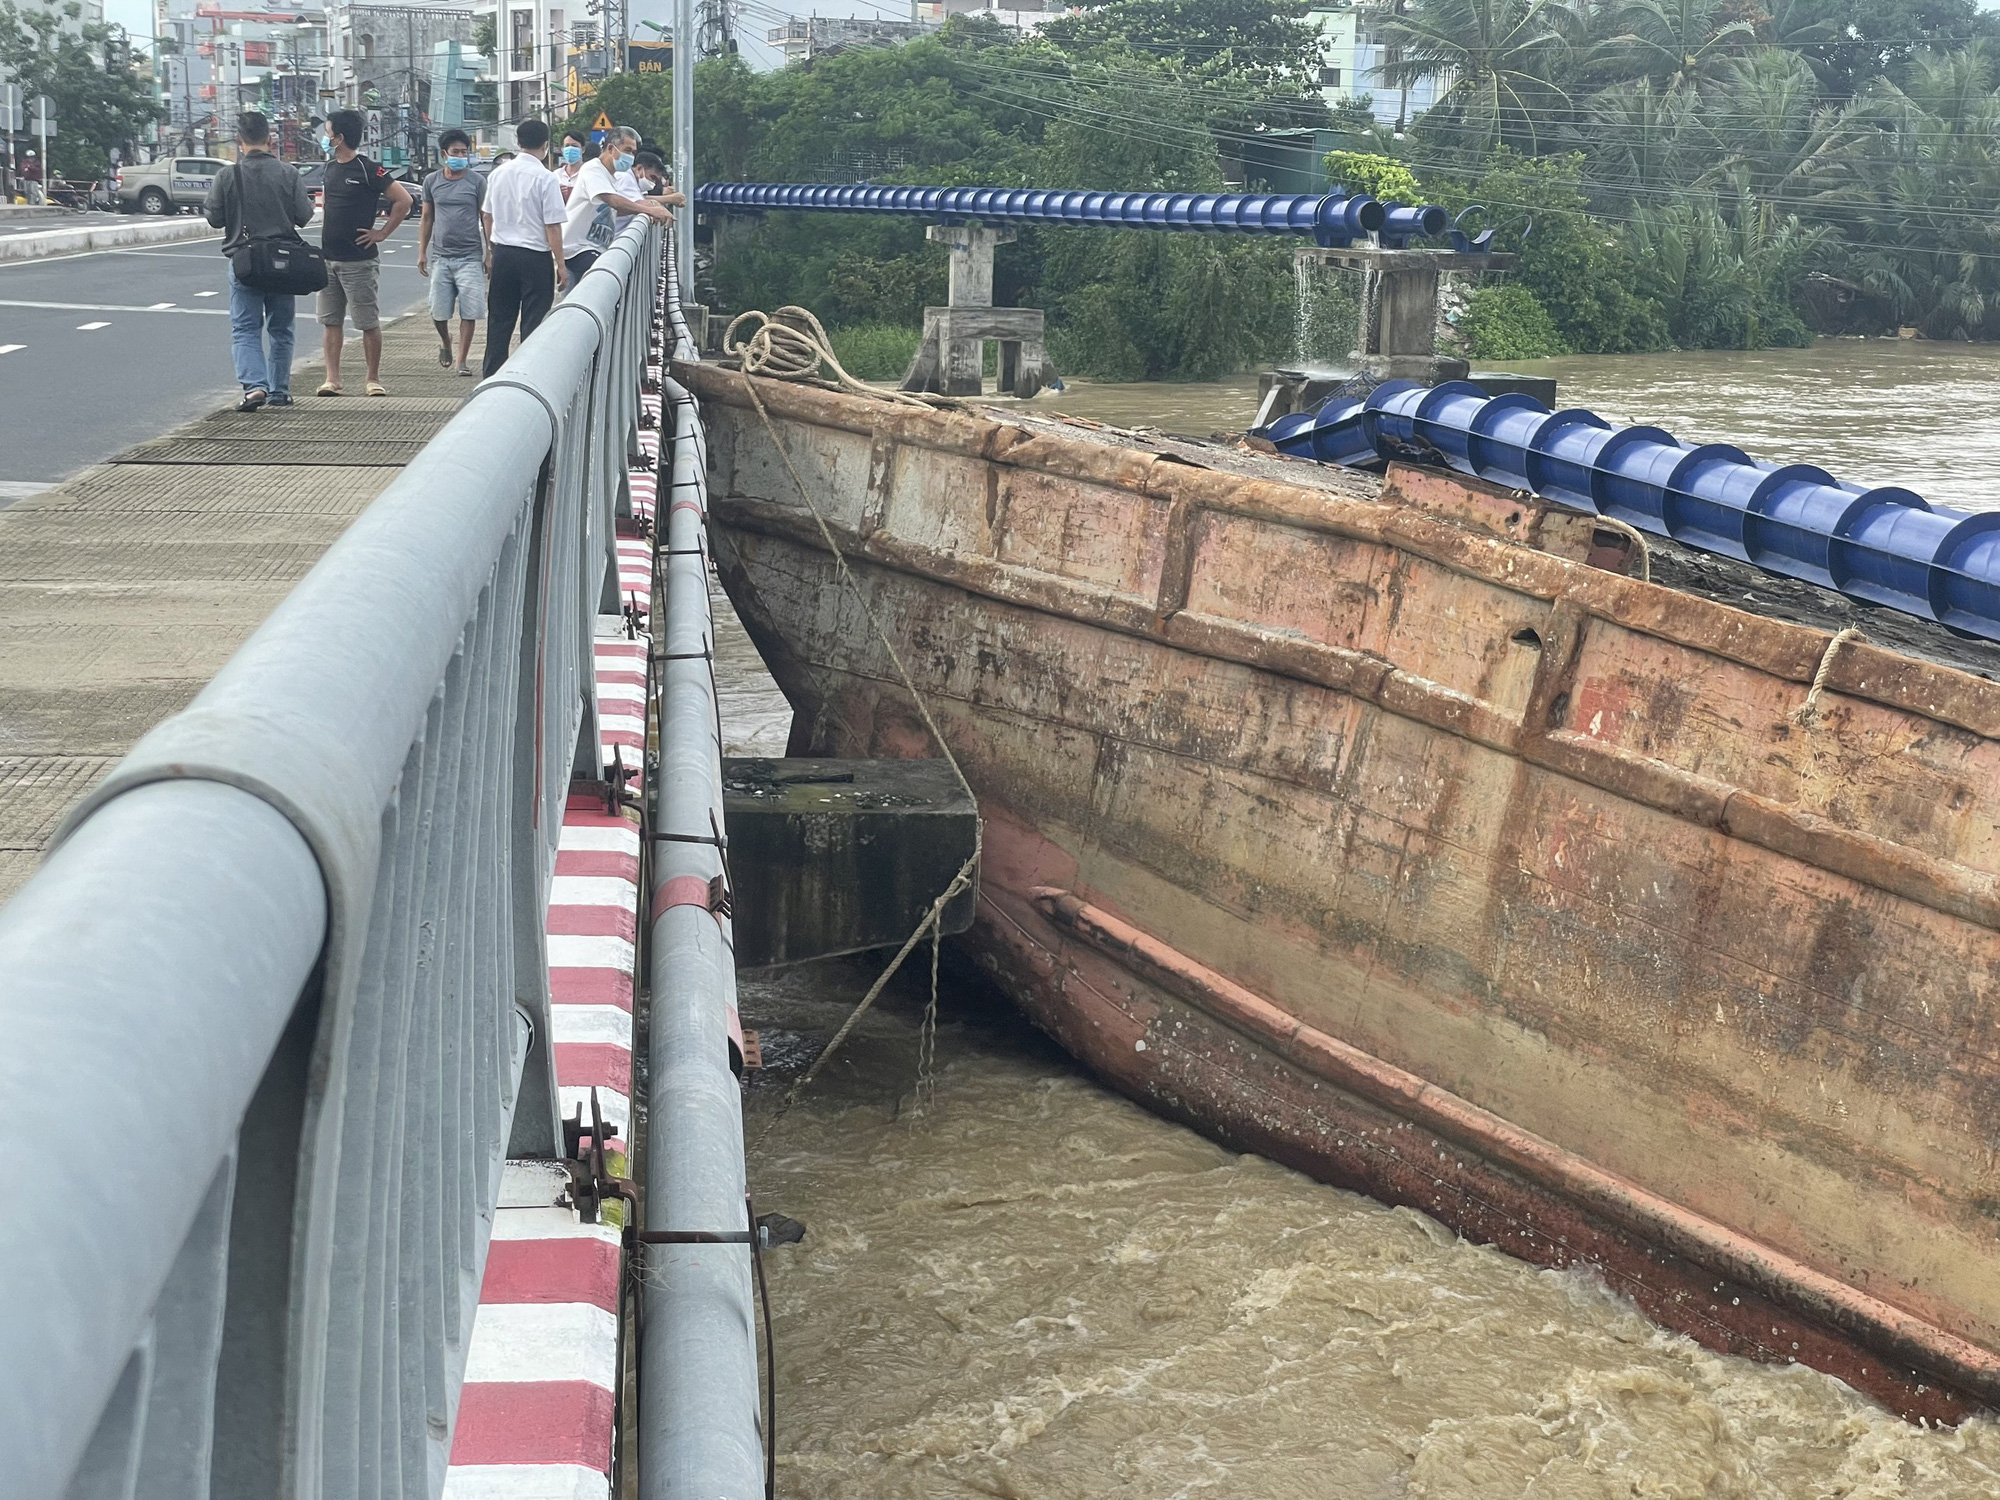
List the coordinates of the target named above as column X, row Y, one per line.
column 1790, row 652
column 1786, row 1281
column 1942, row 885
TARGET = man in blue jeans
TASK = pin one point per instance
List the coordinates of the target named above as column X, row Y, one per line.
column 258, row 197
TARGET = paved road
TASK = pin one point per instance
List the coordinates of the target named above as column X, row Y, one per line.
column 103, row 350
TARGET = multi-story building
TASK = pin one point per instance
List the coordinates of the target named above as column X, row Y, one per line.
column 214, row 59
column 385, row 58
column 1021, row 15
column 817, row 36
column 531, row 64
column 1353, row 54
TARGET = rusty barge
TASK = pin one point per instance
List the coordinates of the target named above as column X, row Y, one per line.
column 1391, row 828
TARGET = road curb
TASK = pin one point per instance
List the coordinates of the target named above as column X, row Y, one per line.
column 32, row 244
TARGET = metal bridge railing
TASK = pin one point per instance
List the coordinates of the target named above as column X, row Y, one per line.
column 275, row 1010
column 699, row 1428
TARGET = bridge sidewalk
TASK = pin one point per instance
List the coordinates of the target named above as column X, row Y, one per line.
column 125, row 589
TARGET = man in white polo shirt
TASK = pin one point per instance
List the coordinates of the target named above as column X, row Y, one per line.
column 595, row 202
column 524, row 228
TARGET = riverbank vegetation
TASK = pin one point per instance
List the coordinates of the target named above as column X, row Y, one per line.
column 1691, row 173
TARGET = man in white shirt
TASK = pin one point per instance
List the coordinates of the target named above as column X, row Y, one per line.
column 596, row 202
column 524, row 230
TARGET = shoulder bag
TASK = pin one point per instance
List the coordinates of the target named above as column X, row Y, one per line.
column 279, row 264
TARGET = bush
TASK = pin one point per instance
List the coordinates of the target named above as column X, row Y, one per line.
column 876, row 351
column 1509, row 322
column 1378, row 176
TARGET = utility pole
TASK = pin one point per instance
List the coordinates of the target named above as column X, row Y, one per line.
column 685, row 52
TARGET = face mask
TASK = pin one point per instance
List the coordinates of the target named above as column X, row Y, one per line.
column 572, row 154
column 625, row 162
column 326, row 145
column 457, row 163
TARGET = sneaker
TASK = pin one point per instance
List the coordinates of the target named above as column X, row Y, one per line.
column 251, row 400
column 279, row 398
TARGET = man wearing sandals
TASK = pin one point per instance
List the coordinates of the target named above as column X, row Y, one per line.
column 451, row 248
column 258, row 197
column 353, row 190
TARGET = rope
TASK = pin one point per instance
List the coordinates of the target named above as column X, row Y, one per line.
column 1808, row 711
column 933, row 919
column 792, row 346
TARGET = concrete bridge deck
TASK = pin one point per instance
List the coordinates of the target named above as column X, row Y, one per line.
column 125, row 589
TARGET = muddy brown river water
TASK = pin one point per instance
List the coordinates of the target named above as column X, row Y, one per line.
column 1032, row 1288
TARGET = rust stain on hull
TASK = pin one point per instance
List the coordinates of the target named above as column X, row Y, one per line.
column 1377, row 831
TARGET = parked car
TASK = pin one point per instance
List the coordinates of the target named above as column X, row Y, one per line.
column 171, row 185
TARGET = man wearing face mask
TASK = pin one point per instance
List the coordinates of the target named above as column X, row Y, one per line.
column 595, row 203
column 647, row 179
column 453, row 199
column 352, row 193
column 572, row 163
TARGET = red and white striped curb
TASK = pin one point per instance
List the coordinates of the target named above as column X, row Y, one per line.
column 536, row 1413
column 621, row 700
column 635, row 574
column 645, row 494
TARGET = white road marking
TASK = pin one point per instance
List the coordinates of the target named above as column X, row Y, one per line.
column 208, row 294
column 88, row 327
column 159, row 307
column 207, row 312
column 11, row 348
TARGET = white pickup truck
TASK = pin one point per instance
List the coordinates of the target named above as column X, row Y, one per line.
column 171, row 185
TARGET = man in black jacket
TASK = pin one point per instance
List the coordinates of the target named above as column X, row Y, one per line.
column 258, row 197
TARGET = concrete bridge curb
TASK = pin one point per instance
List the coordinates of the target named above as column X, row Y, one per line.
column 33, row 244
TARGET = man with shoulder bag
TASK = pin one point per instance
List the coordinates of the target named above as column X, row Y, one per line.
column 260, row 203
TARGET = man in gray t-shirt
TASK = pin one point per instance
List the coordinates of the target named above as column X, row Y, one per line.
column 451, row 247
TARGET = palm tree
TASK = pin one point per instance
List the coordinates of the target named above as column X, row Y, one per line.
column 1675, row 43
column 1496, row 61
column 1911, row 176
column 1642, row 138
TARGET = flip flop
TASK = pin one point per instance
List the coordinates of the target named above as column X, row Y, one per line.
column 444, row 357
column 330, row 389
column 376, row 388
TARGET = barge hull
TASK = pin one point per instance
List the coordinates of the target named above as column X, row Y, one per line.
column 1385, row 835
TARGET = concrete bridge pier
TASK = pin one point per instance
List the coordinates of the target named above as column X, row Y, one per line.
column 951, row 359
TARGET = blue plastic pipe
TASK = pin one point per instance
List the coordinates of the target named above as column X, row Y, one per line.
column 1332, row 220
column 1885, row 545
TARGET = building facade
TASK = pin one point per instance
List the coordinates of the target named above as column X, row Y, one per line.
column 1353, row 54
column 213, row 60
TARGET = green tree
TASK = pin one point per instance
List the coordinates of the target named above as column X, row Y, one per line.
column 1498, row 61
column 1675, row 44
column 1577, row 265
column 99, row 103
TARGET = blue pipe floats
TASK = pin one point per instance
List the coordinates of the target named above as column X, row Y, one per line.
column 1332, row 220
column 1887, row 545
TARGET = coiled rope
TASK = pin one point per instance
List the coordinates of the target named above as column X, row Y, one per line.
column 791, row 345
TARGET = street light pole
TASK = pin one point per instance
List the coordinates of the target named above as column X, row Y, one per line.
column 684, row 59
